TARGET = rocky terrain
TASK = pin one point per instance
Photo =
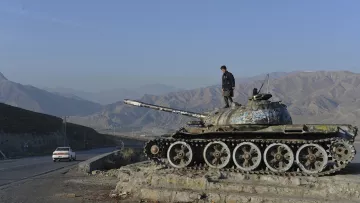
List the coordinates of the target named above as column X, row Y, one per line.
column 312, row 97
column 144, row 181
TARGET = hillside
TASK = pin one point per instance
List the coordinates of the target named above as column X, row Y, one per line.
column 42, row 133
column 114, row 95
column 261, row 77
column 35, row 99
column 312, row 97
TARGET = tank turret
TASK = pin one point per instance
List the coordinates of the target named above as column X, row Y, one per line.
column 259, row 110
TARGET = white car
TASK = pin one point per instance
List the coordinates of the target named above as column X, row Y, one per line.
column 63, row 153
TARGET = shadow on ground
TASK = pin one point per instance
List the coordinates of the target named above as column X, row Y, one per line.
column 351, row 169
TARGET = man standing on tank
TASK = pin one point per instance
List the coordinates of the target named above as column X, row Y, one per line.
column 228, row 86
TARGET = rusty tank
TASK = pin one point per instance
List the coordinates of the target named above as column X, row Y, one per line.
column 256, row 138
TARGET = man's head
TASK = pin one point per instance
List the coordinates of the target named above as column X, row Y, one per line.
column 223, row 68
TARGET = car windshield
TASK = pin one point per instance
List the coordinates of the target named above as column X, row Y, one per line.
column 62, row 149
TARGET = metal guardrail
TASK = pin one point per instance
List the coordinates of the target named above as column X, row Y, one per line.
column 3, row 155
column 134, row 146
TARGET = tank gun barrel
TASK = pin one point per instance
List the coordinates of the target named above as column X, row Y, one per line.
column 161, row 108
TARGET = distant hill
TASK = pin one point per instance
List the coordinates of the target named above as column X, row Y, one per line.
column 35, row 99
column 43, row 133
column 260, row 77
column 273, row 75
column 114, row 95
column 312, row 97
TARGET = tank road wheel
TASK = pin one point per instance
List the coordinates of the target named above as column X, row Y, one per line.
column 217, row 154
column 247, row 156
column 342, row 151
column 278, row 157
column 311, row 158
column 179, row 154
column 154, row 151
column 151, row 149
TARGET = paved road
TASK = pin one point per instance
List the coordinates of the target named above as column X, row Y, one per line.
column 14, row 170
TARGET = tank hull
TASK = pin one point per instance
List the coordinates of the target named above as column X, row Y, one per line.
column 297, row 150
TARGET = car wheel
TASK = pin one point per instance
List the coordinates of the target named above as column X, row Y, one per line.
column 54, row 160
column 75, row 158
column 70, row 158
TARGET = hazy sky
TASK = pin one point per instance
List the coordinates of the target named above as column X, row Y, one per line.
column 93, row 44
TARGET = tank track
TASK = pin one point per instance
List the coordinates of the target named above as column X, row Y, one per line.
column 327, row 143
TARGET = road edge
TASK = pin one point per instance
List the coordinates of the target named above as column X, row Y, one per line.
column 23, row 180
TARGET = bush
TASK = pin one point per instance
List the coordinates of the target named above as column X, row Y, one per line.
column 125, row 157
column 127, row 153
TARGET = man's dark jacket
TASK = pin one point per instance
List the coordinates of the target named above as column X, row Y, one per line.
column 228, row 81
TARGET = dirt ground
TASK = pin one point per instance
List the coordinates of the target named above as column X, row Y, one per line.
column 68, row 186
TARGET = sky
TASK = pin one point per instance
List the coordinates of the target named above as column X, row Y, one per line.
column 95, row 45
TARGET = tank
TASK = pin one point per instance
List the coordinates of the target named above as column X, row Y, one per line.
column 256, row 138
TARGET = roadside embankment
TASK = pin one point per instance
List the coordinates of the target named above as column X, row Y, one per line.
column 17, row 145
column 27, row 133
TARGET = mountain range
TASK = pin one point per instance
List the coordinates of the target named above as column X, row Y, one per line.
column 111, row 96
column 69, row 102
column 38, row 100
column 311, row 97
